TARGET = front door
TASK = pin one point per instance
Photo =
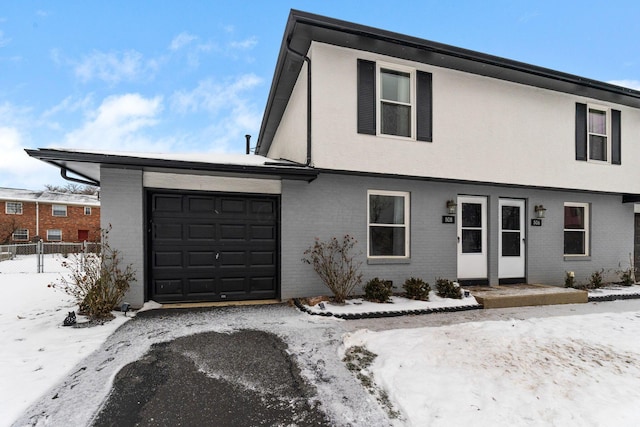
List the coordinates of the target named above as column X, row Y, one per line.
column 472, row 238
column 511, row 241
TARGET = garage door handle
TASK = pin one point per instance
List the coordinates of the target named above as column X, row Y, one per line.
column 217, row 255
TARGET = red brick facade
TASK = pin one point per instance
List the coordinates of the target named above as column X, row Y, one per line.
column 76, row 226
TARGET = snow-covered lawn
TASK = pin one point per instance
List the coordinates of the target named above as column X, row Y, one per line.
column 553, row 366
column 37, row 351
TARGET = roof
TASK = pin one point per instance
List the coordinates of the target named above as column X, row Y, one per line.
column 87, row 163
column 20, row 195
column 302, row 28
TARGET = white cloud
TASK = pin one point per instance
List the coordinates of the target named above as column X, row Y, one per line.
column 70, row 104
column 246, row 44
column 113, row 67
column 119, row 124
column 4, row 40
column 181, row 40
column 210, row 96
column 631, row 84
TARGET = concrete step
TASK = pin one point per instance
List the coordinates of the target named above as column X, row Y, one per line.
column 521, row 295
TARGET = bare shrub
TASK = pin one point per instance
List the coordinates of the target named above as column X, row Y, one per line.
column 337, row 267
column 97, row 281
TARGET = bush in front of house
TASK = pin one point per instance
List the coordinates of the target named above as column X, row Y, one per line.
column 596, row 279
column 627, row 278
column 97, row 281
column 377, row 290
column 336, row 265
column 416, row 288
column 447, row 289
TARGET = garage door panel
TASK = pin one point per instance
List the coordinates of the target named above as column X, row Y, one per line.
column 212, row 247
column 167, row 259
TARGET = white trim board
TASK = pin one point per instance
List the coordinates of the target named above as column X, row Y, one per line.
column 211, row 183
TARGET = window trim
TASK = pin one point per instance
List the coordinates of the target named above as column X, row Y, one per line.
column 53, row 210
column 407, row 224
column 587, row 226
column 13, row 235
column 380, row 66
column 6, row 208
column 608, row 136
column 49, row 239
column 87, row 209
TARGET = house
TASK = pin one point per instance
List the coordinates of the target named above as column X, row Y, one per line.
column 27, row 215
column 441, row 161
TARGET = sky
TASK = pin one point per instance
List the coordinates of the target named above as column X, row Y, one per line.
column 193, row 75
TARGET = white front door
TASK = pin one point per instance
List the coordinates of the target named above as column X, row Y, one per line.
column 472, row 237
column 511, row 240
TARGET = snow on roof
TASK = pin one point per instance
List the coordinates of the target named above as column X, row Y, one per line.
column 21, row 195
column 214, row 158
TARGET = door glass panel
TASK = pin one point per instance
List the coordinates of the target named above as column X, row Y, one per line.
column 472, row 215
column 471, row 241
column 510, row 243
column 510, row 218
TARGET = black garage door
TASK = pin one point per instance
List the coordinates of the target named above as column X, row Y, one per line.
column 212, row 247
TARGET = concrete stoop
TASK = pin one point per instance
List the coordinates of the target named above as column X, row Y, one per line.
column 502, row 296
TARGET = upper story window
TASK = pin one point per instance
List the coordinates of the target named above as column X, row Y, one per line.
column 87, row 210
column 576, row 229
column 13, row 208
column 59, row 210
column 388, row 223
column 598, row 134
column 396, row 110
column 394, row 100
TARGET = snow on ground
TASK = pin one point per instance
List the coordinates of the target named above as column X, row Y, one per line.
column 37, row 351
column 359, row 305
column 558, row 365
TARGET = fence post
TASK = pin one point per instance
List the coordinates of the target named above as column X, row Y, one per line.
column 40, row 256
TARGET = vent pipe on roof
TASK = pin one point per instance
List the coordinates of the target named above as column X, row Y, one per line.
column 248, row 137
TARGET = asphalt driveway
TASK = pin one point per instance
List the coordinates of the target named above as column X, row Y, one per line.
column 245, row 378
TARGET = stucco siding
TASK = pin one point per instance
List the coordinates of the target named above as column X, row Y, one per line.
column 484, row 129
column 123, row 208
column 335, row 205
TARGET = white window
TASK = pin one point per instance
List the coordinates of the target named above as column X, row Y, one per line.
column 20, row 234
column 388, row 224
column 87, row 210
column 396, row 101
column 576, row 229
column 598, row 131
column 59, row 210
column 54, row 235
column 13, row 208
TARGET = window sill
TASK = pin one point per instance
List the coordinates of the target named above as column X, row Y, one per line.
column 577, row 258
column 382, row 261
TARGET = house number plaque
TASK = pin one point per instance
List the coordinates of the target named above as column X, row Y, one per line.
column 448, row 219
column 536, row 222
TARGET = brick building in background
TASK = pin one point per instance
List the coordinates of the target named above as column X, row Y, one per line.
column 27, row 215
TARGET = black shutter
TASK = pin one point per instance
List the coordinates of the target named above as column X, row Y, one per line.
column 424, row 113
column 366, row 97
column 616, row 153
column 581, row 131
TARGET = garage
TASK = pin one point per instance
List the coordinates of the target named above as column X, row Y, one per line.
column 212, row 246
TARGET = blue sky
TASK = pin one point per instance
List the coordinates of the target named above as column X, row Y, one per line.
column 193, row 76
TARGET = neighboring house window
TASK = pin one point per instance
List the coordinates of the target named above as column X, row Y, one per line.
column 87, row 210
column 576, row 229
column 394, row 101
column 13, row 208
column 388, row 223
column 54, row 235
column 598, row 134
column 59, row 210
column 20, row 234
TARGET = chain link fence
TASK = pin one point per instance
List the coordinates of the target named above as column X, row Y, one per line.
column 38, row 250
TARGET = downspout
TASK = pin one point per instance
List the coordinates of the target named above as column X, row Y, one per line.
column 37, row 219
column 308, row 61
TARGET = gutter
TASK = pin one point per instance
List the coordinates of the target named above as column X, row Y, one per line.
column 308, row 61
